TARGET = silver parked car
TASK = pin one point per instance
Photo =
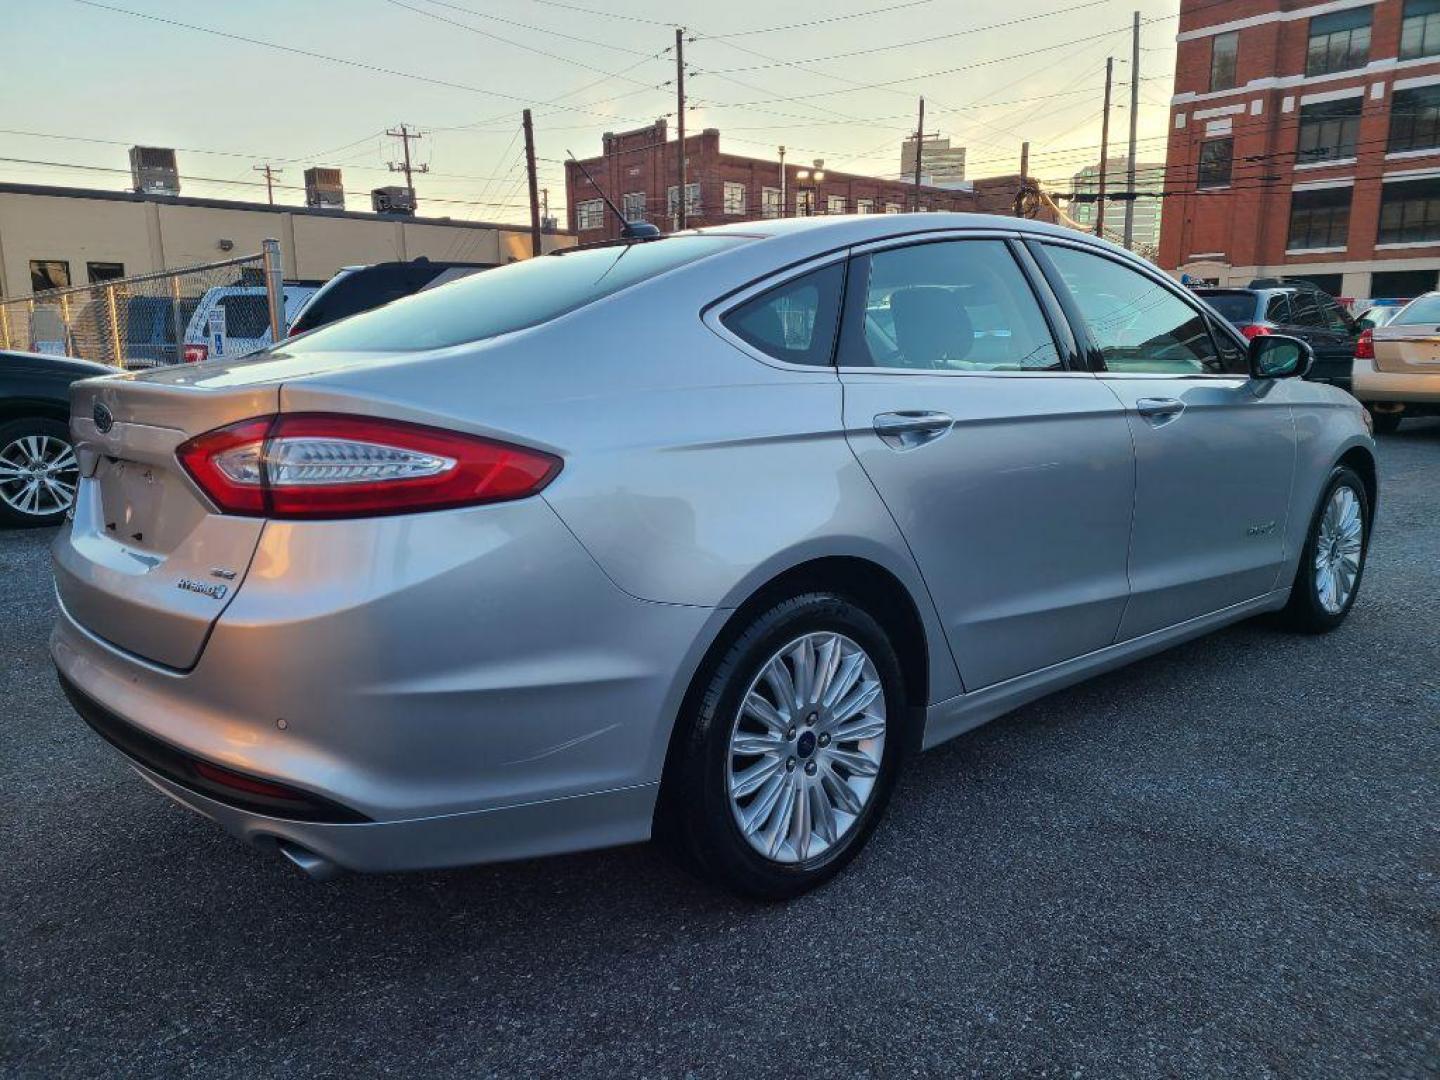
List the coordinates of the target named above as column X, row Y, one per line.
column 694, row 537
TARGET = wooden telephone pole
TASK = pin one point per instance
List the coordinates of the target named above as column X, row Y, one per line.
column 919, row 154
column 680, row 126
column 534, row 184
column 1104, row 151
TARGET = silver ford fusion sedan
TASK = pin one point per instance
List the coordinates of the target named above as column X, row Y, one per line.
column 694, row 538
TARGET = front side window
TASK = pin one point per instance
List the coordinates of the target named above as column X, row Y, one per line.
column 1138, row 324
column 508, row 298
column 956, row 305
column 1420, row 29
column 1320, row 219
column 589, row 214
column 1339, row 41
column 734, row 198
column 795, row 322
column 634, row 206
column 1328, row 130
column 1415, row 119
column 1223, row 51
column 49, row 274
column 1410, row 212
column 1215, row 161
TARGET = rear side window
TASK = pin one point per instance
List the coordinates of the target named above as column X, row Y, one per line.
column 247, row 315
column 796, row 321
column 1278, row 309
column 509, row 297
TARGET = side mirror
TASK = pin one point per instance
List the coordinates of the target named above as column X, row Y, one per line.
column 1364, row 324
column 1275, row 356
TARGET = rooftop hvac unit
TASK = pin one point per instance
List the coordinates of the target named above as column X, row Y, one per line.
column 393, row 200
column 324, row 189
column 153, row 170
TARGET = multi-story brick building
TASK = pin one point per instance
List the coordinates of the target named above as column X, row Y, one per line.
column 638, row 171
column 1305, row 141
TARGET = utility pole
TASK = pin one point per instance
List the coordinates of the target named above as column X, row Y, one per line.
column 1134, row 117
column 405, row 135
column 534, row 186
column 1024, row 159
column 784, row 212
column 680, row 126
column 270, row 175
column 1023, row 189
column 919, row 154
column 1104, row 151
column 544, row 206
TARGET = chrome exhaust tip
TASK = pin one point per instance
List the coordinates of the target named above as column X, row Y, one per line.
column 316, row 867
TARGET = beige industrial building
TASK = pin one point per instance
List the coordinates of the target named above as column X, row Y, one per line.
column 56, row 236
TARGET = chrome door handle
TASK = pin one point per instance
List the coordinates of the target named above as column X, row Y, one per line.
column 907, row 429
column 1159, row 406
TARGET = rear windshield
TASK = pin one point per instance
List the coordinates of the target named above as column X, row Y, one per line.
column 1424, row 310
column 1237, row 307
column 508, row 298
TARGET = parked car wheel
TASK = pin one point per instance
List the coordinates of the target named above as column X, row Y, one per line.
column 793, row 750
column 1386, row 423
column 38, row 472
column 1333, row 559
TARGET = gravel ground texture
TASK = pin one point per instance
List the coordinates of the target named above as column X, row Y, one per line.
column 1221, row 861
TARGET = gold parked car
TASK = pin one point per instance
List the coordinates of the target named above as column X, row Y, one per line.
column 1397, row 366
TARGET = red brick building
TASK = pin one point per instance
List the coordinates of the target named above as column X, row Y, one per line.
column 1305, row 141
column 638, row 170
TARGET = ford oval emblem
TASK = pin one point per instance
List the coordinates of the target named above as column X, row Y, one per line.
column 104, row 418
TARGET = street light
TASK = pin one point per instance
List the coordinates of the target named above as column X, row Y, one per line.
column 815, row 177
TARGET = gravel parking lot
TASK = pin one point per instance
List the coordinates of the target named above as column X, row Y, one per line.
column 1224, row 860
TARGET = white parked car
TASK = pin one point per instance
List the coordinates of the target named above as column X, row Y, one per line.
column 234, row 320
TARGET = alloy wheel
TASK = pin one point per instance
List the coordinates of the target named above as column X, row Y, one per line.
column 38, row 475
column 806, row 747
column 1338, row 548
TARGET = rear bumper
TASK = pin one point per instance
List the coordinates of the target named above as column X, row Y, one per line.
column 469, row 682
column 1370, row 385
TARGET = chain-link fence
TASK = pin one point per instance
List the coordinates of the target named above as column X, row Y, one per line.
column 198, row 313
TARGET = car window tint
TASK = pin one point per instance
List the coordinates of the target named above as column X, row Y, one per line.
column 1304, row 311
column 1278, row 309
column 796, row 321
column 247, row 315
column 1138, row 324
column 958, row 305
column 1237, row 307
column 510, row 297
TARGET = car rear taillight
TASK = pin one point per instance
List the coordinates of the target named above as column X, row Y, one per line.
column 1365, row 345
column 330, row 465
column 1254, row 330
column 196, row 354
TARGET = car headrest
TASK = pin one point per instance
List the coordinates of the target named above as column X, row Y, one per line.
column 931, row 326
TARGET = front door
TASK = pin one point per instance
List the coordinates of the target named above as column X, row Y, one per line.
column 1214, row 449
column 1010, row 477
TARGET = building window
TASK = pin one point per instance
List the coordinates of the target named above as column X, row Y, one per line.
column 590, row 214
column 1328, row 130
column 1415, row 119
column 1410, row 212
column 770, row 202
column 1320, row 219
column 864, row 206
column 734, row 198
column 692, row 200
column 1420, row 29
column 835, row 204
column 1223, row 48
column 633, row 203
column 49, row 274
column 1338, row 42
column 1215, row 160
column 892, row 208
column 804, row 203
column 104, row 271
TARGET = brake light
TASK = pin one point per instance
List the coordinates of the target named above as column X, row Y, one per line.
column 1365, row 345
column 1255, row 330
column 329, row 465
column 196, row 354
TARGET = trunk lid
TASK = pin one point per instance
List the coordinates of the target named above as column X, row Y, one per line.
column 1407, row 349
column 146, row 563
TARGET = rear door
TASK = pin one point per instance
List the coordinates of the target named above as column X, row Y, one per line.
column 1214, row 450
column 1009, row 474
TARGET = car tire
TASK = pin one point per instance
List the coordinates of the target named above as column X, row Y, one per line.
column 1319, row 602
column 27, row 499
column 773, row 799
column 1386, row 423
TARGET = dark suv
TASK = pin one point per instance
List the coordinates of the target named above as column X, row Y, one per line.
column 1297, row 308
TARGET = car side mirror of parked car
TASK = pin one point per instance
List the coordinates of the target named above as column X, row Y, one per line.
column 1276, row 356
column 1364, row 324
